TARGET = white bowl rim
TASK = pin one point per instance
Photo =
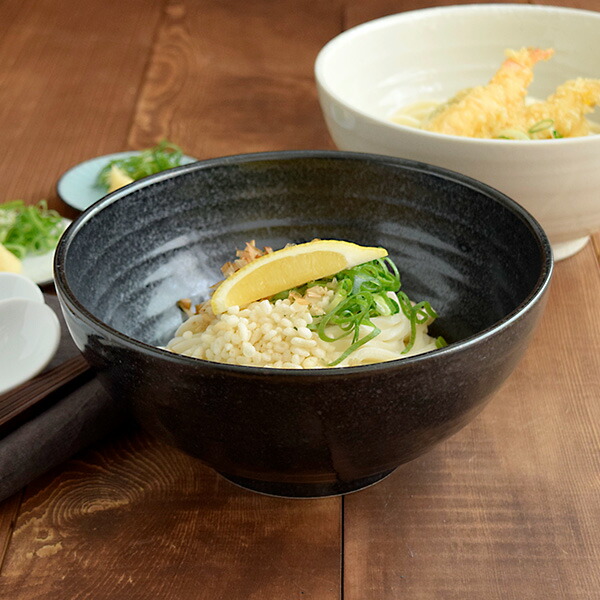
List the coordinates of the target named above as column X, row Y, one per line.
column 382, row 22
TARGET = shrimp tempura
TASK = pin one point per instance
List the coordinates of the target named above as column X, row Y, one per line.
column 484, row 110
column 567, row 107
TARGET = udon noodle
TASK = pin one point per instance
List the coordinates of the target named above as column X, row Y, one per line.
column 300, row 329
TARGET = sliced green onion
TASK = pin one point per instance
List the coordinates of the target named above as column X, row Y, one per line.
column 163, row 156
column 356, row 345
column 541, row 126
column 512, row 134
column 361, row 293
column 29, row 229
column 417, row 315
column 440, row 342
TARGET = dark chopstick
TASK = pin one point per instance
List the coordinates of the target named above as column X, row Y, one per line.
column 34, row 391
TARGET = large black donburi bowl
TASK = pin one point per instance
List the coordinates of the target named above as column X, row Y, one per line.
column 479, row 258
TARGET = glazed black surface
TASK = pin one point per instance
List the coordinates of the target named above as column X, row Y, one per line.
column 481, row 261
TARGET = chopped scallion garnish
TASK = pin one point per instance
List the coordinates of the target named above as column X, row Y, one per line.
column 541, row 126
column 512, row 134
column 29, row 229
column 545, row 127
column 361, row 293
column 165, row 155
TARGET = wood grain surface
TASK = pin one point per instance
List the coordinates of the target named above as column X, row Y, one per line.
column 70, row 73
column 135, row 519
column 256, row 94
column 507, row 509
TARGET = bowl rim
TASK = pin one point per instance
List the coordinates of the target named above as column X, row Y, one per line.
column 439, row 11
column 66, row 295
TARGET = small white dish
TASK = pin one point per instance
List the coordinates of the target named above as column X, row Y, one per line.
column 29, row 338
column 13, row 285
column 39, row 267
column 77, row 186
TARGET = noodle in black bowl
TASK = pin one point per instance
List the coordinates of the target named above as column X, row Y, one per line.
column 481, row 260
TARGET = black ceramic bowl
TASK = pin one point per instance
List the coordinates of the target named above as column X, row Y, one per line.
column 479, row 258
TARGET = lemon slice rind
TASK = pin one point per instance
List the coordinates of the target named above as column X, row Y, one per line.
column 288, row 268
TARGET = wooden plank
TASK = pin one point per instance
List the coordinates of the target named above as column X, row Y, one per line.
column 9, row 509
column 70, row 73
column 508, row 508
column 226, row 80
column 358, row 11
column 64, row 92
column 134, row 519
column 583, row 4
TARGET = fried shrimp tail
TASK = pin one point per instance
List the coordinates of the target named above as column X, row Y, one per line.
column 483, row 110
column 516, row 72
column 567, row 107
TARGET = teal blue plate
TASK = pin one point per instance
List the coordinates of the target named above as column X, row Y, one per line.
column 77, row 187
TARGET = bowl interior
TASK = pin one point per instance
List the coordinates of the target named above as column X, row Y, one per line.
column 472, row 253
column 431, row 54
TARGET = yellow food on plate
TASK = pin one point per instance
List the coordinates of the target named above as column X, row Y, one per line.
column 117, row 179
column 502, row 110
column 9, row 262
column 287, row 268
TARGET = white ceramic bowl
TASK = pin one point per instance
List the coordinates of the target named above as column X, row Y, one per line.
column 29, row 338
column 13, row 285
column 365, row 74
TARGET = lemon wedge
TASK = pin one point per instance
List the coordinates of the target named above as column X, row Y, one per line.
column 118, row 179
column 288, row 268
column 9, row 262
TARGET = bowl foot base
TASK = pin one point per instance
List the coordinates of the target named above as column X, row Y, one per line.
column 305, row 490
column 563, row 250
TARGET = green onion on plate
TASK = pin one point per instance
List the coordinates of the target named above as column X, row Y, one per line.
column 163, row 156
column 29, row 229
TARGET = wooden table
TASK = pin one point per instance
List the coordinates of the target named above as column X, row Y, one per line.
column 509, row 508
